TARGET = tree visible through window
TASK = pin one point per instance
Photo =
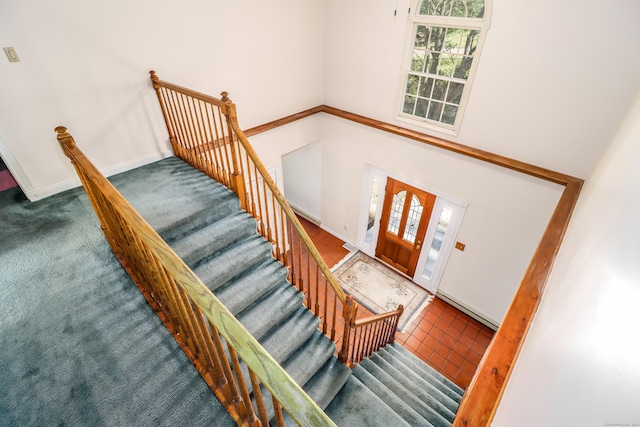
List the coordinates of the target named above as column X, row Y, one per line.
column 446, row 36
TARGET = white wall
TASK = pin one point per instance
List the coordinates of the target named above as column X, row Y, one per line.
column 85, row 65
column 302, row 178
column 580, row 363
column 271, row 146
column 504, row 221
column 554, row 77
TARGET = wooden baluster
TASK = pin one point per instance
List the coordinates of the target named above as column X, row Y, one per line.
column 200, row 135
column 163, row 107
column 275, row 208
column 278, row 412
column 361, row 344
column 392, row 339
column 308, row 281
column 349, row 310
column 209, row 356
column 215, row 141
column 376, row 338
column 325, row 295
column 245, row 407
column 220, row 380
column 286, row 238
column 187, row 102
column 223, row 144
column 175, row 114
column 188, row 126
column 334, row 315
column 257, row 396
column 174, row 132
column 236, row 172
column 257, row 200
column 300, row 267
column 292, row 260
column 233, row 395
column 178, row 100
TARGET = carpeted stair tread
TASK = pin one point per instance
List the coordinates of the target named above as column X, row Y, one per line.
column 435, row 399
column 267, row 312
column 393, row 386
column 325, row 384
column 424, row 370
column 288, row 335
column 357, row 405
column 309, row 357
column 233, row 262
column 177, row 199
column 425, row 382
column 244, row 290
column 204, row 243
column 392, row 400
column 203, row 223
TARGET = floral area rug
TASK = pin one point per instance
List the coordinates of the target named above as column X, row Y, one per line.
column 379, row 288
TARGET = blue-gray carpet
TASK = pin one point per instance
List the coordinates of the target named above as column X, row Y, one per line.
column 80, row 346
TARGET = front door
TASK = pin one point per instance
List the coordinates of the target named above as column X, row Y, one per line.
column 403, row 224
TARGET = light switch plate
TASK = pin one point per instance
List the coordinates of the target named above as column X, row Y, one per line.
column 11, row 54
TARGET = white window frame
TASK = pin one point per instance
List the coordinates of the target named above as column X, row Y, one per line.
column 414, row 20
column 458, row 209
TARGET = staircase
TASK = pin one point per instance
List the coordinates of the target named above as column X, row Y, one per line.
column 203, row 223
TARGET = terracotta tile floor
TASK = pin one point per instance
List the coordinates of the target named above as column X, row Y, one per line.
column 443, row 336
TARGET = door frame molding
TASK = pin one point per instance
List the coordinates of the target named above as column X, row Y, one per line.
column 442, row 199
column 15, row 169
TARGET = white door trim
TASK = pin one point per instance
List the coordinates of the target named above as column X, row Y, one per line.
column 457, row 206
column 15, row 169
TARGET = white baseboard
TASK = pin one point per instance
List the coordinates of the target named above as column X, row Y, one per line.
column 466, row 310
column 303, row 214
column 38, row 193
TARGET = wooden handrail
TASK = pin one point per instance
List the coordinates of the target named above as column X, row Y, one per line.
column 295, row 222
column 109, row 204
column 482, row 397
column 488, row 384
column 363, row 337
column 481, row 400
column 378, row 317
column 199, row 140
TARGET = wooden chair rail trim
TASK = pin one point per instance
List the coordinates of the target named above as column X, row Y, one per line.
column 300, row 406
column 485, row 156
column 283, row 121
column 483, row 395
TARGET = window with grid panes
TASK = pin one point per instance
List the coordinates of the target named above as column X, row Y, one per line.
column 446, row 36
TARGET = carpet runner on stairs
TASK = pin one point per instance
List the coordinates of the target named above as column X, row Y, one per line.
column 207, row 229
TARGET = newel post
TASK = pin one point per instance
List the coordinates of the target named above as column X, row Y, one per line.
column 392, row 338
column 68, row 145
column 237, row 175
column 349, row 311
